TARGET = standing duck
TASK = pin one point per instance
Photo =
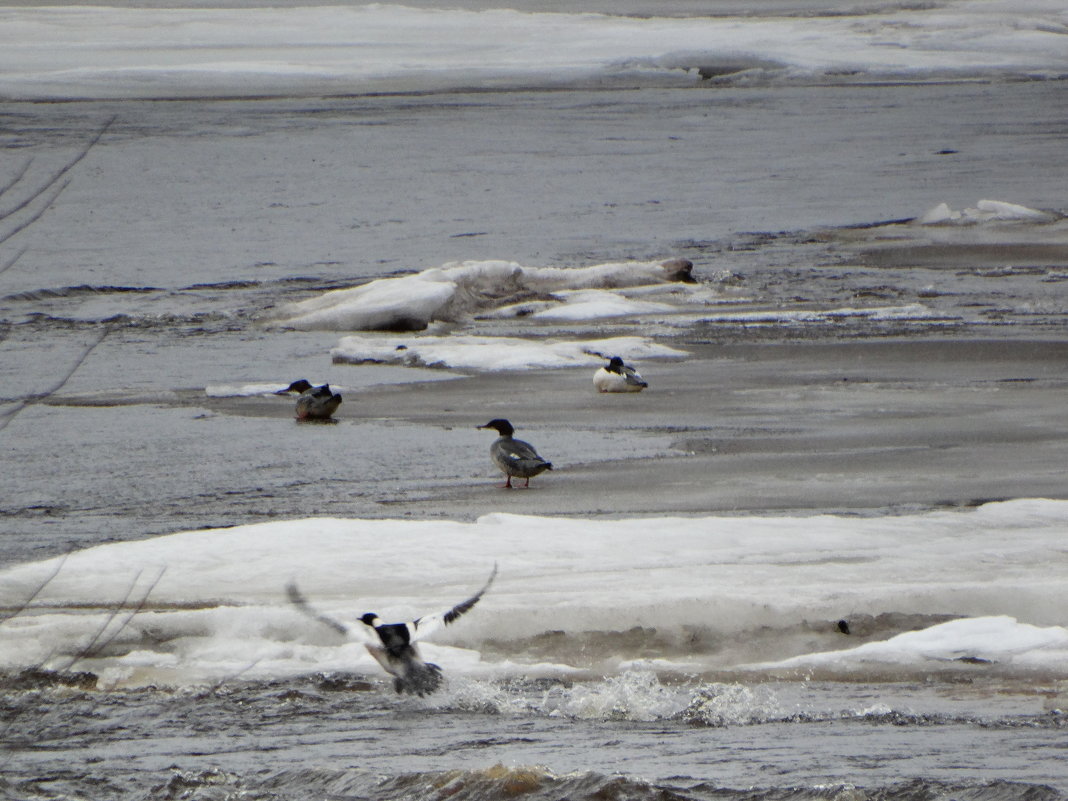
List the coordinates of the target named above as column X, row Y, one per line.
column 314, row 403
column 394, row 643
column 618, row 377
column 513, row 456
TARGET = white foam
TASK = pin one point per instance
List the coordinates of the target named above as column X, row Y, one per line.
column 633, row 695
column 217, row 607
column 494, row 353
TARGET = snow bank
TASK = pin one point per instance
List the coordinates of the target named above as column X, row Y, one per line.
column 983, row 640
column 216, row 603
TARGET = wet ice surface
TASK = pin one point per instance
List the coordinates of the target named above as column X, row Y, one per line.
column 142, row 448
column 774, row 427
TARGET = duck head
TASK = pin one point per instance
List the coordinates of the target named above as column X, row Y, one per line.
column 502, row 427
column 370, row 619
column 298, row 386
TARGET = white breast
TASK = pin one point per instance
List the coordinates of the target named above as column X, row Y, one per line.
column 606, row 381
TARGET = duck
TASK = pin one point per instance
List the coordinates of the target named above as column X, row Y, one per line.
column 513, row 456
column 393, row 645
column 314, row 403
column 618, row 377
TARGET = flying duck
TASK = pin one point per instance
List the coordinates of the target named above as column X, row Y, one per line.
column 513, row 456
column 618, row 377
column 393, row 644
column 314, row 403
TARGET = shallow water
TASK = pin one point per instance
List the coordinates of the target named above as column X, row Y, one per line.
column 344, row 738
column 285, row 206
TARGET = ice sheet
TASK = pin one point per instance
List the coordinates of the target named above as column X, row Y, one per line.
column 214, row 600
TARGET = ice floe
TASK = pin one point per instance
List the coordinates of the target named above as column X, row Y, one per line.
column 494, row 353
column 982, row 640
column 81, row 51
column 247, row 390
column 215, row 604
column 458, row 290
column 985, row 211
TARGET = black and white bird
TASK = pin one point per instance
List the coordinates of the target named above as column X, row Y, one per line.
column 618, row 377
column 314, row 403
column 393, row 645
column 513, row 456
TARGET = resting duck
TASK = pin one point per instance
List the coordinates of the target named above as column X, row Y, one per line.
column 393, row 645
column 513, row 456
column 618, row 377
column 314, row 403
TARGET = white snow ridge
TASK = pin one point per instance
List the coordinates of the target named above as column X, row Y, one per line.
column 456, row 290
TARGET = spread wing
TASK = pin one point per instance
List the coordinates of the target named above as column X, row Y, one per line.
column 298, row 600
column 431, row 623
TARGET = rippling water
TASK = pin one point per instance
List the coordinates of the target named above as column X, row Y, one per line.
column 342, row 737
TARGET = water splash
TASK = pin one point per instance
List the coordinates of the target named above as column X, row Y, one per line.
column 716, row 705
column 639, row 695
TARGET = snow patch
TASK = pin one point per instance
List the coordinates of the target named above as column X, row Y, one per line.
column 494, row 353
column 985, row 211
